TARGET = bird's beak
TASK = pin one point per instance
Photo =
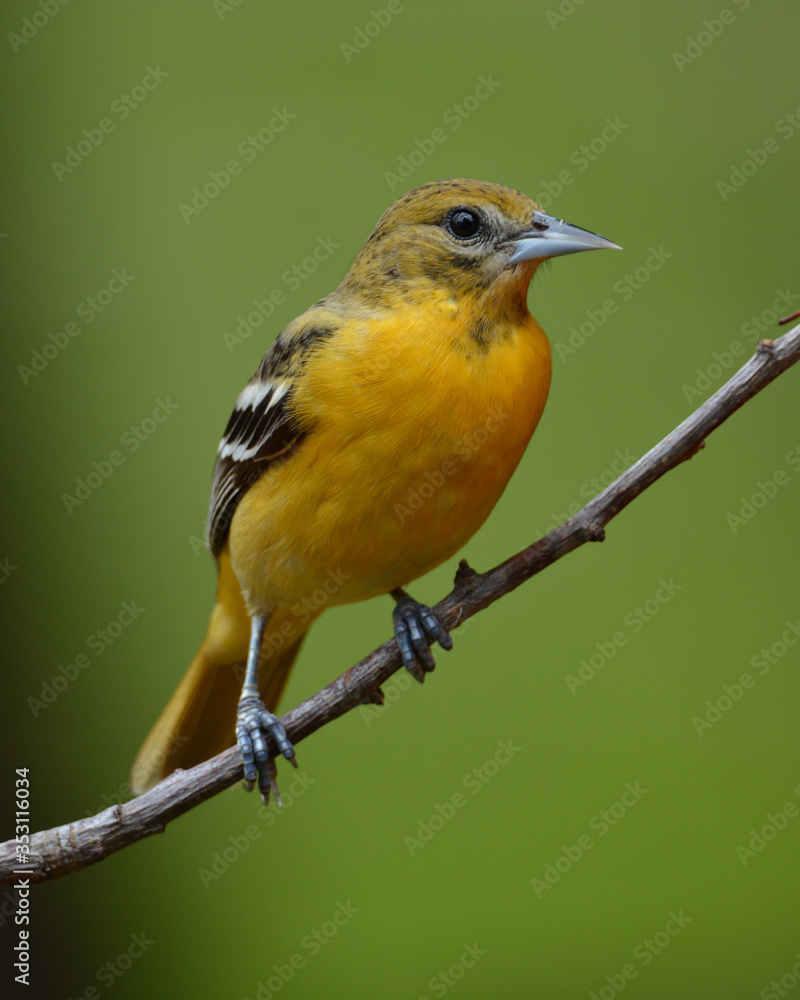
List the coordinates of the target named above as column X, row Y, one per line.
column 551, row 237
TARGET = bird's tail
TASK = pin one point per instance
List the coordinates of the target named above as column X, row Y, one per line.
column 200, row 718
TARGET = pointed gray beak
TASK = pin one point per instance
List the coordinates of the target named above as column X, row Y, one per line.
column 551, row 237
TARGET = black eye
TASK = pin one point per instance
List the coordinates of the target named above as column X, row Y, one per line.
column 464, row 223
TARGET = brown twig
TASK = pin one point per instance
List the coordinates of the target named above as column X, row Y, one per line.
column 68, row 848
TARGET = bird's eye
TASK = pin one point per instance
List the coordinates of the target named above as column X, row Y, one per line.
column 464, row 223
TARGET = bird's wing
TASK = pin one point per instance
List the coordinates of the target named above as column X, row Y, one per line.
column 261, row 428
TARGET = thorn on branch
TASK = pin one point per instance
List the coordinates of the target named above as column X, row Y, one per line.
column 595, row 532
column 465, row 575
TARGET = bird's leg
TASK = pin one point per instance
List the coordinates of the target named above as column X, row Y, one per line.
column 253, row 720
column 415, row 628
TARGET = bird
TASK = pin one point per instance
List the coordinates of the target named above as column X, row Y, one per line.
column 374, row 439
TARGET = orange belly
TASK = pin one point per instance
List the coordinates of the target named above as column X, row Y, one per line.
column 394, row 477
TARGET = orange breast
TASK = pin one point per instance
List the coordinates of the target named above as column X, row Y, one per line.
column 416, row 432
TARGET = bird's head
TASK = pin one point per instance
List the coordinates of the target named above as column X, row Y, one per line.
column 462, row 238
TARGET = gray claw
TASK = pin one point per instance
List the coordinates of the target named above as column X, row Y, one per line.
column 252, row 722
column 415, row 628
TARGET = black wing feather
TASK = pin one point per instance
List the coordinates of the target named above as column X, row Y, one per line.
column 261, row 429
column 257, row 434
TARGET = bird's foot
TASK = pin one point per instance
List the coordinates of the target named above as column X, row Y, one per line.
column 252, row 722
column 415, row 628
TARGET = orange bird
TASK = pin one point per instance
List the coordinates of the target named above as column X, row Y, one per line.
column 422, row 375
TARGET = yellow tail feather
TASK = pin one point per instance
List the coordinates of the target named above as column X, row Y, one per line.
column 199, row 720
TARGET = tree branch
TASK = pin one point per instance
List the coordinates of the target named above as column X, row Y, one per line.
column 57, row 852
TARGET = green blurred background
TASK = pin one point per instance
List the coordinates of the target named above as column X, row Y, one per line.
column 704, row 260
